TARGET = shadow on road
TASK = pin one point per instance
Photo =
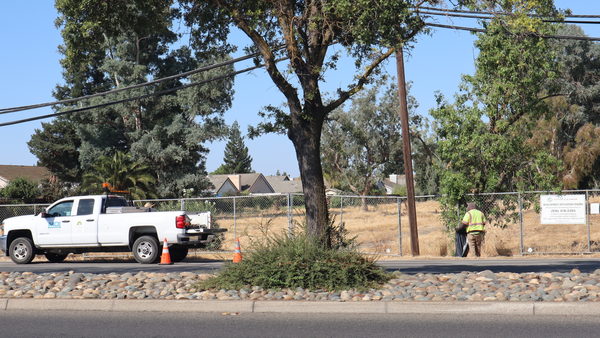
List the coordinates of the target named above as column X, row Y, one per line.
column 477, row 265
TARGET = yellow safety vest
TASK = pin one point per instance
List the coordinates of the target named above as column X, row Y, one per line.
column 475, row 220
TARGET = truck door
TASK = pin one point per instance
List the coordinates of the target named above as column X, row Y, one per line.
column 85, row 222
column 55, row 228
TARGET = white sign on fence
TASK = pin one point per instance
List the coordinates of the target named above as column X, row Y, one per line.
column 562, row 209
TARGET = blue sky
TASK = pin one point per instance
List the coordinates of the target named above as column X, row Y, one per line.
column 30, row 69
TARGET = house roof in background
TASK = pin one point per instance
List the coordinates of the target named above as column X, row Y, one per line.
column 283, row 184
column 248, row 180
column 251, row 182
column 10, row 172
column 217, row 181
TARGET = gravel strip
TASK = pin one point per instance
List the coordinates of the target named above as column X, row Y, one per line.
column 466, row 286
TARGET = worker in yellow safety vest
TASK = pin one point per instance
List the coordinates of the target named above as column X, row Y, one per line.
column 474, row 220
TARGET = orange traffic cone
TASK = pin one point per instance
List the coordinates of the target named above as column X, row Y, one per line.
column 237, row 254
column 165, row 259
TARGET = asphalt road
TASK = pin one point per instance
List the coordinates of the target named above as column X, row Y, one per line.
column 185, row 324
column 409, row 265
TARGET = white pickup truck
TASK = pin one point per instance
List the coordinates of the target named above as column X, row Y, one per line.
column 104, row 223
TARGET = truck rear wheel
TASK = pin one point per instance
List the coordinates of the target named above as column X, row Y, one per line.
column 54, row 258
column 178, row 254
column 21, row 250
column 146, row 250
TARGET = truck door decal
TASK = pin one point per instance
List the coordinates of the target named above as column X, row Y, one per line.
column 53, row 225
column 79, row 226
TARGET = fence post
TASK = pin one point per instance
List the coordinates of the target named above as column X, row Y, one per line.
column 287, row 204
column 292, row 208
column 587, row 216
column 458, row 213
column 521, row 220
column 341, row 209
column 290, row 223
column 182, row 204
column 399, row 226
column 234, row 220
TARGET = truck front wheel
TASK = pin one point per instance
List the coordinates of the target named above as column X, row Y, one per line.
column 21, row 250
column 146, row 250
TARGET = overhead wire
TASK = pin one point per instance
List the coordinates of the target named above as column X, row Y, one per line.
column 168, row 78
column 162, row 92
column 489, row 16
column 591, row 16
column 481, row 30
column 444, row 12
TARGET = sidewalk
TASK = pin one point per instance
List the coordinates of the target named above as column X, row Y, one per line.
column 235, row 307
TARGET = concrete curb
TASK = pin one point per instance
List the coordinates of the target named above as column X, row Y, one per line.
column 149, row 305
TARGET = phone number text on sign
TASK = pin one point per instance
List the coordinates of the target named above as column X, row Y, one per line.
column 563, row 209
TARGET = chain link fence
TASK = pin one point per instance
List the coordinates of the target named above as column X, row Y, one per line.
column 379, row 224
column 13, row 210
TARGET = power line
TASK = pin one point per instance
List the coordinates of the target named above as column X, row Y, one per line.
column 168, row 78
column 249, row 56
column 162, row 92
column 589, row 16
column 481, row 30
column 489, row 16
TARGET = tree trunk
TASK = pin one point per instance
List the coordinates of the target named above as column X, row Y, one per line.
column 364, row 202
column 365, row 205
column 306, row 137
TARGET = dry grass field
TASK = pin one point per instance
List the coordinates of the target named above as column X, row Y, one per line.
column 377, row 232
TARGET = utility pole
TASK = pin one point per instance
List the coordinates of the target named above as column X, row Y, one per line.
column 408, row 170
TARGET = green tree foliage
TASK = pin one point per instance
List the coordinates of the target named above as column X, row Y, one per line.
column 358, row 143
column 121, row 173
column 306, row 32
column 483, row 135
column 572, row 132
column 237, row 160
column 53, row 190
column 426, row 163
column 115, row 44
column 56, row 147
column 221, row 170
column 21, row 187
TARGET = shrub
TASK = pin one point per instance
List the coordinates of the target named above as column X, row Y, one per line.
column 399, row 190
column 281, row 261
column 21, row 187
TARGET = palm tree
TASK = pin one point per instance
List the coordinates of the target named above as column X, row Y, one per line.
column 121, row 174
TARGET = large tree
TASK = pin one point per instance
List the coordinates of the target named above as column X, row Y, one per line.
column 572, row 132
column 236, row 158
column 483, row 136
column 357, row 144
column 308, row 33
column 56, row 147
column 115, row 44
